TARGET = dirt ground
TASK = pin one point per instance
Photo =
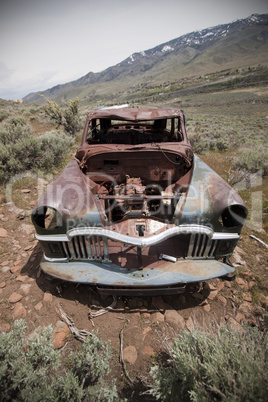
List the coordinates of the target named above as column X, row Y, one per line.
column 137, row 327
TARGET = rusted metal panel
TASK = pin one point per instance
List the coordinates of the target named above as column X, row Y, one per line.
column 108, row 274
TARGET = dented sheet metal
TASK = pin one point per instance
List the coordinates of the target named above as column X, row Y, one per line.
column 108, row 274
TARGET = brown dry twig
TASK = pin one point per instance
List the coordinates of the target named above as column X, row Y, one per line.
column 78, row 333
column 104, row 310
column 121, row 358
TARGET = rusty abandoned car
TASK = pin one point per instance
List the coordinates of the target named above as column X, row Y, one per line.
column 135, row 211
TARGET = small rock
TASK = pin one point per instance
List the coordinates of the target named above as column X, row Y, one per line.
column 240, row 317
column 60, row 336
column 264, row 302
column 25, row 288
column 251, row 284
column 212, row 294
column 2, row 284
column 228, row 284
column 14, row 297
column 5, row 269
column 3, row 232
column 130, row 354
column 247, row 297
column 190, row 324
column 234, row 324
column 245, row 307
column 21, row 278
column 246, row 274
column 222, row 300
column 146, row 332
column 206, row 307
column 38, row 306
column 25, row 190
column 157, row 318
column 174, row 319
column 15, row 269
column 211, row 287
column 19, row 311
column 146, row 315
column 21, row 214
column 237, row 257
column 48, row 298
column 148, row 351
column 4, row 263
column 29, row 248
column 241, row 283
column 258, row 257
column 220, row 286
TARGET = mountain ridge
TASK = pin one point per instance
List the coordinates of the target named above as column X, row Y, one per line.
column 182, row 54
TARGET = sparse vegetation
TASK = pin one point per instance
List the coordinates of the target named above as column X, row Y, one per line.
column 243, row 134
column 32, row 370
column 68, row 117
column 253, row 159
column 227, row 365
column 22, row 149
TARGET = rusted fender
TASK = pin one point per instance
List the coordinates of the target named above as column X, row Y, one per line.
column 208, row 196
column 71, row 194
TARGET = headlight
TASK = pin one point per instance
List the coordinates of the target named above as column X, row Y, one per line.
column 234, row 215
column 47, row 218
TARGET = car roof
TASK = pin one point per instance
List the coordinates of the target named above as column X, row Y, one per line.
column 135, row 114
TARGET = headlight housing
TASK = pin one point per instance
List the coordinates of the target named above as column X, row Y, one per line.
column 234, row 215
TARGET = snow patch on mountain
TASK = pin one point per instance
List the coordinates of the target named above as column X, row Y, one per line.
column 167, row 48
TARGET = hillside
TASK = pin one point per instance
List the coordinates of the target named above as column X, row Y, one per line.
column 240, row 44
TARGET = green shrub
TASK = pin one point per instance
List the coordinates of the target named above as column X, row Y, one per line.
column 68, row 118
column 52, row 110
column 253, row 159
column 32, row 370
column 20, row 150
column 199, row 143
column 3, row 115
column 53, row 146
column 224, row 366
column 71, row 119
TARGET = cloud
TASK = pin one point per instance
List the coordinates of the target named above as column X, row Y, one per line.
column 5, row 73
column 17, row 84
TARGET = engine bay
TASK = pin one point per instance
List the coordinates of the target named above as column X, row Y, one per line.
column 134, row 199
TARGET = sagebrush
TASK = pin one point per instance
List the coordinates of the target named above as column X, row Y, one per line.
column 32, row 370
column 226, row 365
column 67, row 117
column 21, row 151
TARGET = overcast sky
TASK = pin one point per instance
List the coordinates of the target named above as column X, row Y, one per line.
column 48, row 42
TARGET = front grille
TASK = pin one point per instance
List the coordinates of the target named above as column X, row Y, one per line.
column 87, row 248
column 201, row 246
column 97, row 248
